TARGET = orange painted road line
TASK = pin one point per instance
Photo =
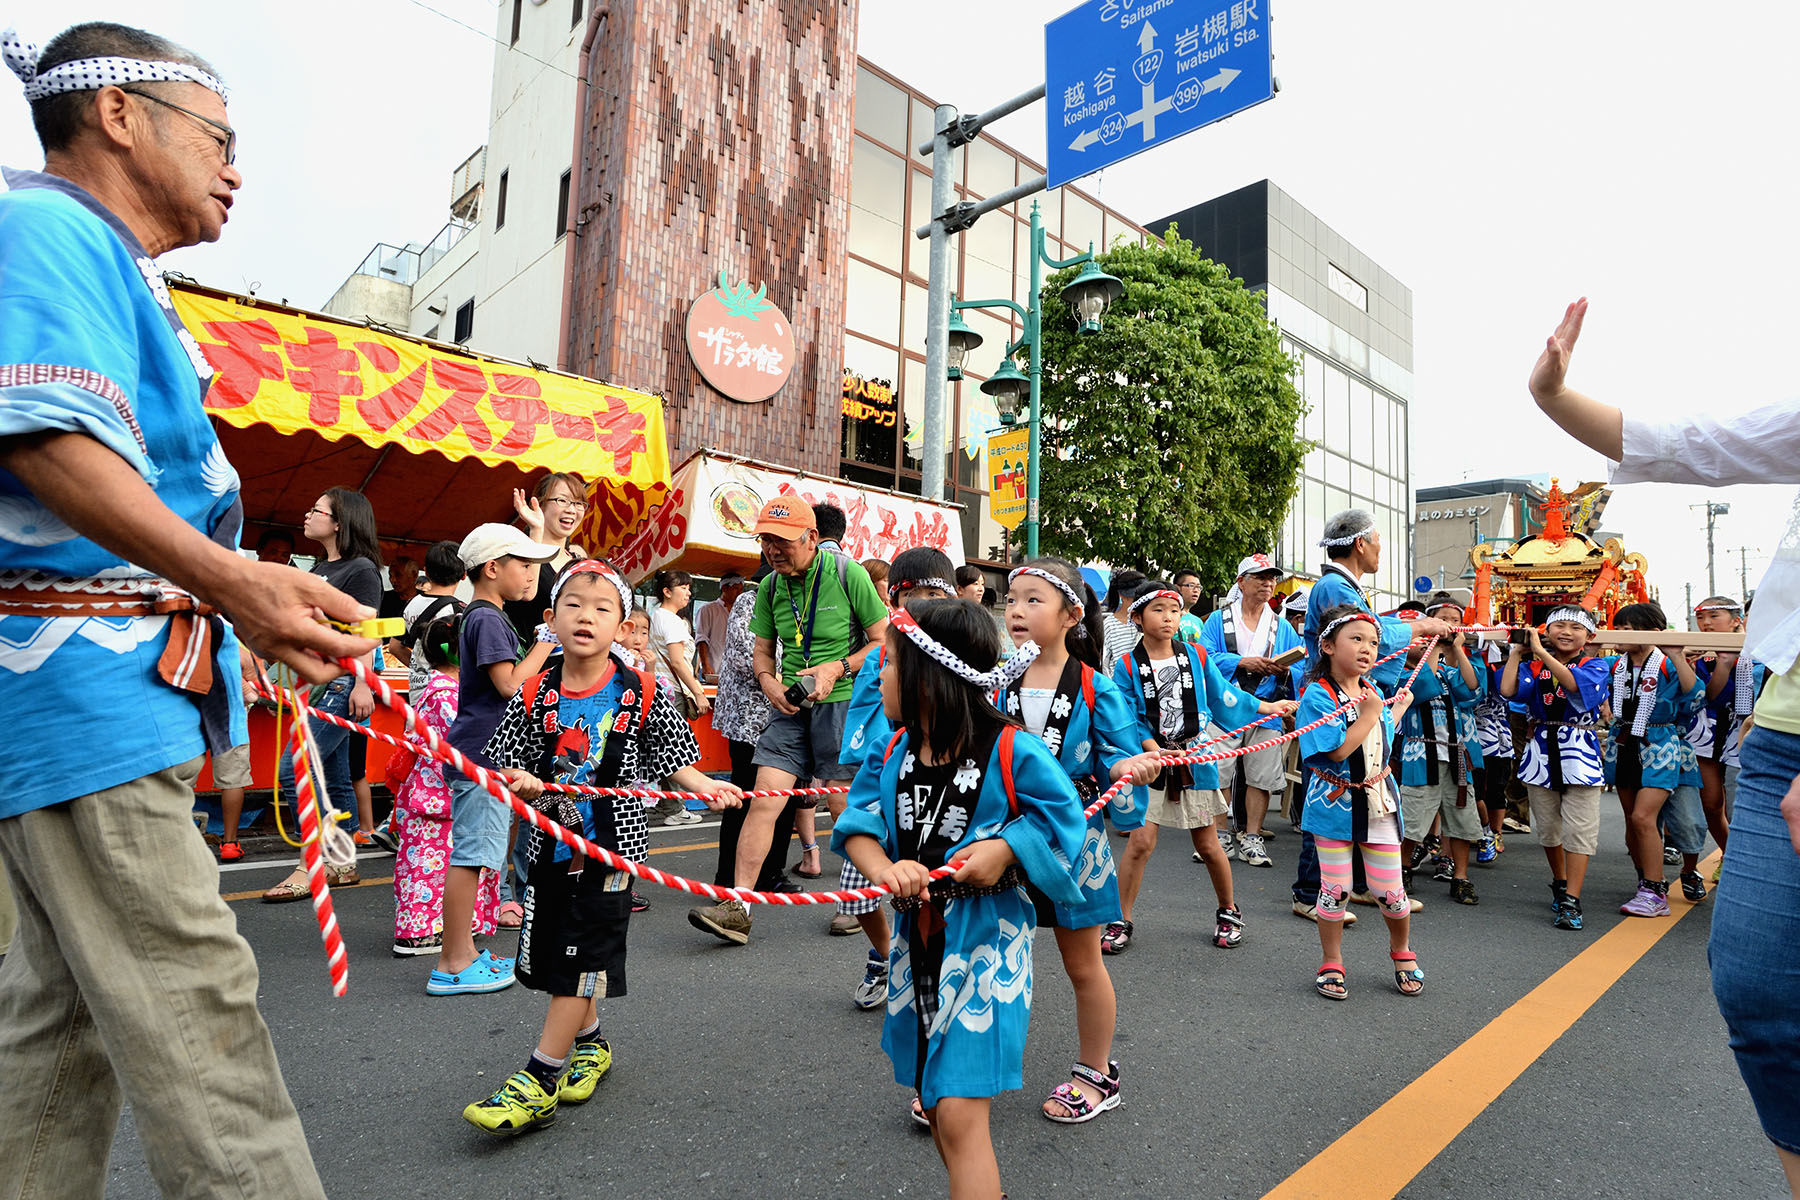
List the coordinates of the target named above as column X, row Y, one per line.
column 257, row 894
column 1436, row 1107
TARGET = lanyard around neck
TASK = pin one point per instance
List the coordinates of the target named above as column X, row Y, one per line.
column 803, row 641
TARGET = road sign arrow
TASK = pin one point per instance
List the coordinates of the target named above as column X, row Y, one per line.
column 1146, row 38
column 1221, row 81
column 1084, row 139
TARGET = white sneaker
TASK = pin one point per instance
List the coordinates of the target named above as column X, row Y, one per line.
column 1228, row 843
column 684, row 817
column 1252, row 851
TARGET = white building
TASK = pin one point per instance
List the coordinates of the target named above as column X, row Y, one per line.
column 492, row 277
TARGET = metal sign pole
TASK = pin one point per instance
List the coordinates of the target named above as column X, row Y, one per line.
column 932, row 443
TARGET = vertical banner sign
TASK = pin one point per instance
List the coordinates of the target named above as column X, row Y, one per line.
column 1006, row 476
column 1121, row 76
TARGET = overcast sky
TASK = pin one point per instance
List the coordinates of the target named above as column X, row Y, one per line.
column 1500, row 160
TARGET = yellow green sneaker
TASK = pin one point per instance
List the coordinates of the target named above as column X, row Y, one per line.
column 521, row 1103
column 588, row 1064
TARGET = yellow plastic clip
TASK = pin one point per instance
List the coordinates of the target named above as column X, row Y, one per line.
column 377, row 628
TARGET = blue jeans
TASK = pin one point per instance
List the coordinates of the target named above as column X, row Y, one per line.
column 1755, row 946
column 333, row 742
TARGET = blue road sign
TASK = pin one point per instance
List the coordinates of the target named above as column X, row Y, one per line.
column 1422, row 584
column 1121, row 76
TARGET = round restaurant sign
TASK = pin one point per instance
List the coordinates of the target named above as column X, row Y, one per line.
column 742, row 344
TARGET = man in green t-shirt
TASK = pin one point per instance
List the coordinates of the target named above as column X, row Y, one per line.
column 824, row 611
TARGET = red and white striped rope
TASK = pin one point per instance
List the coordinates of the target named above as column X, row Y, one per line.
column 312, row 857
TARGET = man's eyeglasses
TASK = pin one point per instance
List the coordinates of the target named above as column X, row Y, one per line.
column 228, row 147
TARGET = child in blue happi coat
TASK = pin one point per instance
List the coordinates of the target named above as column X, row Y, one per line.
column 956, row 786
column 1088, row 725
column 918, row 573
column 1352, row 803
column 1733, row 682
column 1653, row 694
column 1439, row 751
column 1174, row 689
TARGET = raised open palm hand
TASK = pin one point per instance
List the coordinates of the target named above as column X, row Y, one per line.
column 1553, row 364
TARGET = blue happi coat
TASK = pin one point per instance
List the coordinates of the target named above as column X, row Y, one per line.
column 1097, row 738
column 1667, row 757
column 1453, row 703
column 1335, row 588
column 1218, row 699
column 1713, row 729
column 1324, row 815
column 1213, row 641
column 866, row 728
column 976, row 1042
column 1577, row 732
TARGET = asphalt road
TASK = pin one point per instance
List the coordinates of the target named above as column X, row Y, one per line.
column 745, row 1072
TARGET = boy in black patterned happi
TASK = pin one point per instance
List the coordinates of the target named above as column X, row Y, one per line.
column 592, row 719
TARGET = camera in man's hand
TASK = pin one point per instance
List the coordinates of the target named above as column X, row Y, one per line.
column 1519, row 637
column 800, row 694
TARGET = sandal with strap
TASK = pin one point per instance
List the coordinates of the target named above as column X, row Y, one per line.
column 293, row 888
column 1331, row 975
column 510, row 915
column 1116, row 937
column 807, row 848
column 1080, row 1105
column 918, row 1114
column 1412, row 973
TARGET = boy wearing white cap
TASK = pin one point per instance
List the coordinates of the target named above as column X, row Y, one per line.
column 1244, row 638
column 502, row 563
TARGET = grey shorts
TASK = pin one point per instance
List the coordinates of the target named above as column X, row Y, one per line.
column 1569, row 818
column 1265, row 769
column 1421, row 804
column 805, row 745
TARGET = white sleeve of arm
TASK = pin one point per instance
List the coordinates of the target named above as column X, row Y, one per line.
column 1759, row 446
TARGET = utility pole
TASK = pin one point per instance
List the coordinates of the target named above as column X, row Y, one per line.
column 1690, row 607
column 1714, row 509
column 1743, row 553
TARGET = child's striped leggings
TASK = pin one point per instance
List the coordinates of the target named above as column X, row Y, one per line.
column 1381, row 863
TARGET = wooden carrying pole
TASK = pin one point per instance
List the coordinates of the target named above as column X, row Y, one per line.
column 1691, row 640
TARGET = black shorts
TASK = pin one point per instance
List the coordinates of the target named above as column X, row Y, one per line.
column 572, row 941
column 1496, row 775
column 1630, row 770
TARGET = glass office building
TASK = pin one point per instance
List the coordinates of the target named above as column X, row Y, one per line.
column 1348, row 326
column 884, row 343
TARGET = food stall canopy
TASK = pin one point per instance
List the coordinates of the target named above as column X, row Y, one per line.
column 705, row 525
column 435, row 436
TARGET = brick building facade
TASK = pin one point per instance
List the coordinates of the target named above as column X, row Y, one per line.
column 717, row 135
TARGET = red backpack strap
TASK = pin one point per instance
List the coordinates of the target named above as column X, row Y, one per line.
column 1087, row 686
column 894, row 741
column 647, row 687
column 1006, row 767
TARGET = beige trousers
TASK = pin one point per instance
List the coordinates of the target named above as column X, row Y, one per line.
column 127, row 978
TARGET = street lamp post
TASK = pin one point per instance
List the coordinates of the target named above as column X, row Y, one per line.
column 1089, row 294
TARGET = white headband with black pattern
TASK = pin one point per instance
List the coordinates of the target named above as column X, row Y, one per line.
column 1003, row 675
column 1349, row 540
column 1580, row 616
column 92, row 74
column 1332, row 627
column 907, row 585
column 1147, row 597
column 1060, row 585
column 593, row 566
column 1729, row 607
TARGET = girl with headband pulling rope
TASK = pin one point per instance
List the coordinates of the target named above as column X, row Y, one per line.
column 589, row 719
column 1174, row 688
column 919, row 573
column 1352, row 802
column 1089, row 726
column 955, row 785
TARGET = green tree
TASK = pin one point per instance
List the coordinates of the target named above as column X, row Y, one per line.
column 1171, row 436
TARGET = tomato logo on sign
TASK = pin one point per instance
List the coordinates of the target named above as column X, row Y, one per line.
column 742, row 344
